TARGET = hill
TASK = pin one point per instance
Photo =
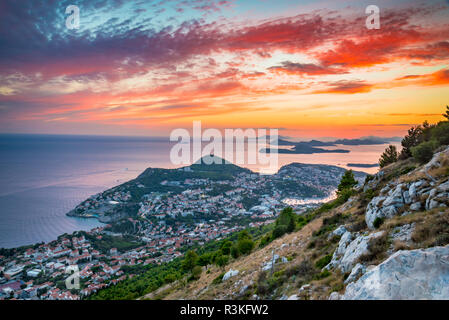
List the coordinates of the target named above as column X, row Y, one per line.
column 393, row 229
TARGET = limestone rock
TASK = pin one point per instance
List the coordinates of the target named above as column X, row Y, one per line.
column 416, row 206
column 414, row 274
column 231, row 273
column 356, row 273
column 347, row 254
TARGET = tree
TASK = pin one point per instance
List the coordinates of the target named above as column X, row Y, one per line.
column 245, row 246
column 441, row 133
column 446, row 115
column 169, row 278
column 221, row 260
column 285, row 216
column 235, row 253
column 205, row 259
column 189, row 261
column 412, row 139
column 279, row 231
column 347, row 182
column 244, row 234
column 226, row 247
column 389, row 156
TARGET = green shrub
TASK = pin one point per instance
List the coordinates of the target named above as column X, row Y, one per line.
column 424, row 151
column 226, row 247
column 169, row 278
column 441, row 133
column 266, row 239
column 378, row 222
column 218, row 279
column 322, row 275
column 235, row 253
column 196, row 272
column 324, row 261
column 279, row 231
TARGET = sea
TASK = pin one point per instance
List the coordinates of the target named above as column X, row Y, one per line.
column 42, row 177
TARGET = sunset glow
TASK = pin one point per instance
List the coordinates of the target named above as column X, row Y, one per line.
column 309, row 68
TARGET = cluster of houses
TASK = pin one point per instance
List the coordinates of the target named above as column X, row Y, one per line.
column 202, row 198
column 40, row 272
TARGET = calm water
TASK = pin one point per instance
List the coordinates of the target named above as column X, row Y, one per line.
column 43, row 177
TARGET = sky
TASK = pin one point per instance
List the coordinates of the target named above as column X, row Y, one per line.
column 308, row 68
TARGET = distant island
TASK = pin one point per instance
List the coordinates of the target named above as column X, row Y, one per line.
column 314, row 146
column 303, row 148
column 363, row 165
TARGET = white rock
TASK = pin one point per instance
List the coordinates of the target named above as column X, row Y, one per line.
column 433, row 204
column 293, row 297
column 356, row 272
column 416, row 206
column 345, row 240
column 339, row 231
column 231, row 273
column 334, row 296
column 415, row 274
column 403, row 233
column 406, row 197
column 346, row 255
column 356, row 249
column 444, row 186
column 304, row 288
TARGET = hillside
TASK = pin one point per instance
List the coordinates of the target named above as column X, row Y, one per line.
column 389, row 240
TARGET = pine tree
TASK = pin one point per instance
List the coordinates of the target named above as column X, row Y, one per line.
column 190, row 260
column 389, row 156
column 347, row 182
column 412, row 139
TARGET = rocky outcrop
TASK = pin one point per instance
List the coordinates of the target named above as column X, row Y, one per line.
column 396, row 198
column 415, row 274
column 274, row 260
column 349, row 251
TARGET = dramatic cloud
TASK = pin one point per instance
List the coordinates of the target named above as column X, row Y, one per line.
column 136, row 61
